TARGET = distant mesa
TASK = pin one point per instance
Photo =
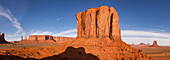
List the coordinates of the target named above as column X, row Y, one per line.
column 44, row 39
column 2, row 39
column 154, row 44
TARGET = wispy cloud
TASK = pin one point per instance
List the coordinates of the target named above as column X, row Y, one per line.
column 7, row 14
column 66, row 32
column 42, row 33
column 4, row 12
column 138, row 36
column 144, row 33
column 59, row 18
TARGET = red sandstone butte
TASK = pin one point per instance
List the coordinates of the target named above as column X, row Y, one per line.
column 154, row 44
column 44, row 39
column 99, row 23
column 2, row 39
column 99, row 33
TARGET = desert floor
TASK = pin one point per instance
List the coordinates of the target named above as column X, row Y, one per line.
column 156, row 53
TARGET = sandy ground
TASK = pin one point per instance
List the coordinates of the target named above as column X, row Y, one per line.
column 156, row 53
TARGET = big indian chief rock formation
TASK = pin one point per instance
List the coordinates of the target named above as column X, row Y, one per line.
column 99, row 33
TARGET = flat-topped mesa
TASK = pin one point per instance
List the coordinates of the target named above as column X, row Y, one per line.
column 99, row 23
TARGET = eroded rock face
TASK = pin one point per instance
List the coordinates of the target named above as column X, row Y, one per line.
column 2, row 39
column 154, row 44
column 99, row 23
column 99, row 33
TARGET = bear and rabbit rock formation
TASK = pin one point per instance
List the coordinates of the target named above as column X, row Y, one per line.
column 99, row 33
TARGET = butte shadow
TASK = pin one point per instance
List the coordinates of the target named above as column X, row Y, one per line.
column 70, row 53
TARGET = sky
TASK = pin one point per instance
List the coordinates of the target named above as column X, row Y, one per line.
column 141, row 21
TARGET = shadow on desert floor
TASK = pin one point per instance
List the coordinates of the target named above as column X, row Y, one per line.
column 70, row 53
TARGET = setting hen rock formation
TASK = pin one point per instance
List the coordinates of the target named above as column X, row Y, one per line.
column 154, row 44
column 99, row 33
column 2, row 39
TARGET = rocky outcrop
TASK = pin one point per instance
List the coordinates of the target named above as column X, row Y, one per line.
column 99, row 23
column 154, row 44
column 2, row 39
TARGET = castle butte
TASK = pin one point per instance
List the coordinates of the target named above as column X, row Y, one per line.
column 44, row 39
column 99, row 33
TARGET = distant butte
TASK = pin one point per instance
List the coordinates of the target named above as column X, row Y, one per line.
column 154, row 44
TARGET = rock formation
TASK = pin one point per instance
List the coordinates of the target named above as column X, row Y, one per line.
column 148, row 44
column 154, row 44
column 2, row 39
column 132, row 44
column 99, row 23
column 99, row 33
column 44, row 39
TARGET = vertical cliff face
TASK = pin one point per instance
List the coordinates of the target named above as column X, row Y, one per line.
column 99, row 33
column 2, row 38
column 99, row 23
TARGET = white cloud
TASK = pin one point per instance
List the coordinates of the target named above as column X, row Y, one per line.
column 70, row 35
column 7, row 14
column 59, row 18
column 65, row 32
column 4, row 12
column 144, row 33
column 135, row 36
column 42, row 33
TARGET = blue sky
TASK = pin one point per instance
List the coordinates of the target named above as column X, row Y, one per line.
column 140, row 20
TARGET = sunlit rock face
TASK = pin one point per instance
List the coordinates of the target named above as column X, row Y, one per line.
column 99, row 23
column 99, row 33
